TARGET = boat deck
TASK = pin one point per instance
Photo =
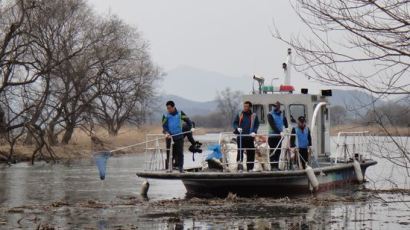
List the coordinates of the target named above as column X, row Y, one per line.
column 197, row 173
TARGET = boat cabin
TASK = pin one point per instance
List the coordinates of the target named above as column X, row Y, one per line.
column 294, row 106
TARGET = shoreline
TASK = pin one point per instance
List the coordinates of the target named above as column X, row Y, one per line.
column 81, row 147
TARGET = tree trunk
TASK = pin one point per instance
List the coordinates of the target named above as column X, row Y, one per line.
column 113, row 128
column 51, row 136
column 29, row 138
column 68, row 134
column 112, row 132
column 3, row 128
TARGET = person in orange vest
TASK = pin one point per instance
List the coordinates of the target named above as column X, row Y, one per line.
column 246, row 125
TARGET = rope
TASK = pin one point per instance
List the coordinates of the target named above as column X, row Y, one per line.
column 142, row 143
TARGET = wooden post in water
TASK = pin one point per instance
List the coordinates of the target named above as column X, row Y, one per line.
column 144, row 188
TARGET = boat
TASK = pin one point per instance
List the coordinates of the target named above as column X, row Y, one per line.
column 344, row 166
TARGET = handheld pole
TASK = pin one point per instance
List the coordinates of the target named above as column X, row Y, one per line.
column 145, row 142
column 170, row 155
column 240, row 146
column 240, row 164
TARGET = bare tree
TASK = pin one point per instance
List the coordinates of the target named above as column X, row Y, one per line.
column 337, row 115
column 53, row 25
column 15, row 73
column 229, row 104
column 357, row 43
column 124, row 99
column 13, row 28
column 212, row 120
column 57, row 59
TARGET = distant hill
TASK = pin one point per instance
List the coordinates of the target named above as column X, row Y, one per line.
column 405, row 100
column 353, row 99
column 356, row 102
column 201, row 85
column 190, row 107
column 196, row 89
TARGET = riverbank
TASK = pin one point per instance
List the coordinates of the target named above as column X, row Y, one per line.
column 81, row 146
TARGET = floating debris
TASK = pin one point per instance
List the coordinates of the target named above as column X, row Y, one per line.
column 16, row 210
column 58, row 204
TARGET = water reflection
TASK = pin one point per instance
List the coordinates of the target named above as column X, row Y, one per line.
column 360, row 216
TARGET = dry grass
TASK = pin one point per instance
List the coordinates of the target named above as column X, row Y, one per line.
column 127, row 136
column 82, row 147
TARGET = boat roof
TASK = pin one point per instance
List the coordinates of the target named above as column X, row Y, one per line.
column 288, row 98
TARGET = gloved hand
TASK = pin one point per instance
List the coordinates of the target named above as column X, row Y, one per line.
column 253, row 134
column 239, row 130
column 192, row 130
column 282, row 134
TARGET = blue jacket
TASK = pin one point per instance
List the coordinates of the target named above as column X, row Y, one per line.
column 172, row 123
column 302, row 138
column 276, row 122
column 249, row 122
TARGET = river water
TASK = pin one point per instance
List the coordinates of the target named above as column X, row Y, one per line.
column 71, row 196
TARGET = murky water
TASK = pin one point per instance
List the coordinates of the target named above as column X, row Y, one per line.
column 71, row 196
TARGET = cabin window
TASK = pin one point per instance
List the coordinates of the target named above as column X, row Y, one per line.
column 260, row 112
column 297, row 110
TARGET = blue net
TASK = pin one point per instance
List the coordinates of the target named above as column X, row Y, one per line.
column 101, row 161
column 216, row 152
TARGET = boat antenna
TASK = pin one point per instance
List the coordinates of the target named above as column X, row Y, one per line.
column 287, row 67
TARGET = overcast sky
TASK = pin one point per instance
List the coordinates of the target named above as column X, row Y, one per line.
column 231, row 37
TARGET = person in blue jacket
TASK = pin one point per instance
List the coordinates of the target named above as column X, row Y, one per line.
column 172, row 124
column 301, row 139
column 246, row 123
column 277, row 122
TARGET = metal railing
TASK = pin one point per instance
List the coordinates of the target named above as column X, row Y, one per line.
column 285, row 159
column 351, row 145
column 156, row 151
column 155, row 155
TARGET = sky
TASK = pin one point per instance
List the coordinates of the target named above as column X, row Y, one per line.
column 231, row 37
